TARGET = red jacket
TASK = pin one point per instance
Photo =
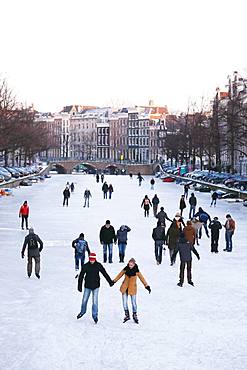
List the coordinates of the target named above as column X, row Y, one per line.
column 24, row 210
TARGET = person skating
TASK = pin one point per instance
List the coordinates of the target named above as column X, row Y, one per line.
column 214, row 198
column 152, row 182
column 131, row 176
column 129, row 288
column 91, row 272
column 146, row 204
column 185, row 248
column 230, row 227
column 66, row 196
column 162, row 216
column 107, row 238
column 122, row 238
column 215, row 227
column 110, row 190
column 97, row 177
column 193, row 203
column 203, row 217
column 182, row 204
column 72, row 187
column 189, row 233
column 105, row 190
column 197, row 225
column 172, row 238
column 159, row 236
column 186, row 190
column 34, row 246
column 24, row 214
column 155, row 203
column 140, row 178
column 81, row 247
column 102, row 178
column 87, row 195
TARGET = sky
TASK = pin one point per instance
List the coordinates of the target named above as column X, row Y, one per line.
column 120, row 52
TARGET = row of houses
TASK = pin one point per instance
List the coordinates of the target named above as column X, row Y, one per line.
column 91, row 133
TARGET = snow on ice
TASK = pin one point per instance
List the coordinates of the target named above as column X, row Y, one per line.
column 201, row 327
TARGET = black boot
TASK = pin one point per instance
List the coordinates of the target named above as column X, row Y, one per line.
column 120, row 257
column 135, row 318
column 127, row 316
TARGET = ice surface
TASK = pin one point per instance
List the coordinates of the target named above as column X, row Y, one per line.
column 180, row 328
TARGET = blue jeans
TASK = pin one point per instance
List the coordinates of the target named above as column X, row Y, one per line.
column 86, row 202
column 133, row 302
column 109, row 252
column 206, row 230
column 229, row 235
column 79, row 257
column 158, row 250
column 86, row 295
column 105, row 195
column 110, row 193
column 192, row 211
column 122, row 248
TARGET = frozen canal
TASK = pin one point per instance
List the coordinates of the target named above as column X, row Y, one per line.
column 204, row 327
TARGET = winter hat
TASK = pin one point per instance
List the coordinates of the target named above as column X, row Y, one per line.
column 162, row 208
column 178, row 214
column 122, row 227
column 92, row 257
column 228, row 216
column 81, row 235
column 215, row 218
column 31, row 230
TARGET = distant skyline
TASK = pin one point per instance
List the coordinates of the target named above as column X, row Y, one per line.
column 125, row 52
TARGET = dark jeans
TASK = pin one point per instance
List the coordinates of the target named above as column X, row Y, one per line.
column 214, row 243
column 206, row 230
column 146, row 211
column 213, row 202
column 109, row 247
column 155, row 208
column 192, row 211
column 158, row 250
column 105, row 195
column 24, row 218
column 86, row 202
column 79, row 257
column 228, row 236
column 30, row 265
column 110, row 193
column 122, row 248
column 65, row 201
column 182, row 268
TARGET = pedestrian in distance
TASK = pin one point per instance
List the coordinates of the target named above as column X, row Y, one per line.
column 24, row 214
column 90, row 273
column 152, row 182
column 162, row 216
column 102, row 178
column 189, row 232
column 214, row 198
column 197, row 225
column 146, row 204
column 230, row 226
column 159, row 236
column 81, row 247
column 105, row 190
column 172, row 238
column 34, row 246
column 182, row 204
column 129, row 288
column 192, row 203
column 72, row 187
column 110, row 190
column 203, row 217
column 185, row 248
column 97, row 177
column 155, row 203
column 66, row 196
column 107, row 238
column 215, row 227
column 140, row 178
column 131, row 176
column 186, row 190
column 87, row 196
column 122, row 241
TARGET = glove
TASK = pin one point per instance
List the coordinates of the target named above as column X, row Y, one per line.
column 80, row 290
column 22, row 255
column 198, row 258
column 111, row 283
column 148, row 289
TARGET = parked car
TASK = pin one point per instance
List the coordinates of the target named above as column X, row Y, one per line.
column 25, row 183
column 241, row 185
column 15, row 174
column 1, row 178
column 230, row 196
column 245, row 203
column 168, row 179
column 6, row 174
column 202, row 188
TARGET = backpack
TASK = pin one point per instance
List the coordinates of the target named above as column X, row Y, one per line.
column 32, row 243
column 146, row 202
column 81, row 246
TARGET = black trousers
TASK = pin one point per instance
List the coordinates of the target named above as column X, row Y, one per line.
column 24, row 219
column 65, row 201
column 214, row 243
column 182, row 268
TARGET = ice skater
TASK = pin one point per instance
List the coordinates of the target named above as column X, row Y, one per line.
column 66, row 196
column 24, row 214
column 107, row 238
column 159, row 236
column 185, row 248
column 192, row 203
column 91, row 272
column 105, row 190
column 152, row 182
column 186, row 190
column 230, row 227
column 34, row 246
column 146, row 204
column 110, row 190
column 215, row 227
column 155, row 203
column 172, row 238
column 214, row 198
column 87, row 196
column 81, row 247
column 72, row 187
column 122, row 238
column 129, row 288
column 140, row 178
column 182, row 204
column 203, row 217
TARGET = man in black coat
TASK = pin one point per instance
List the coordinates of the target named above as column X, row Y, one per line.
column 158, row 236
column 215, row 227
column 155, row 202
column 34, row 246
column 66, row 195
column 91, row 272
column 193, row 203
column 107, row 237
column 162, row 216
column 185, row 248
